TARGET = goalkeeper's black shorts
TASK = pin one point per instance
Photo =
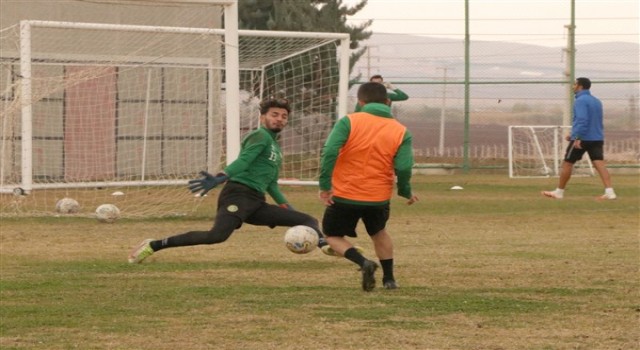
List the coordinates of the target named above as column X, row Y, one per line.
column 248, row 205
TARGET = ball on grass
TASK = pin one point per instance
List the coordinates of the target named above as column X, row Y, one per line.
column 107, row 213
column 67, row 206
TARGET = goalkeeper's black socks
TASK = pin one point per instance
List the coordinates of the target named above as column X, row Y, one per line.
column 387, row 270
column 156, row 245
column 355, row 256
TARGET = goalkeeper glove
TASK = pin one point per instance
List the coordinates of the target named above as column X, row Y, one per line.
column 207, row 182
column 389, row 86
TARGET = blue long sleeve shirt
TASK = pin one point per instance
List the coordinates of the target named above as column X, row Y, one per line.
column 587, row 118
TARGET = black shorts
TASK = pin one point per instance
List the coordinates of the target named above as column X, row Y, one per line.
column 341, row 219
column 250, row 206
column 593, row 148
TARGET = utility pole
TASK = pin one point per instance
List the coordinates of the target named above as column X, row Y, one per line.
column 443, row 111
column 369, row 60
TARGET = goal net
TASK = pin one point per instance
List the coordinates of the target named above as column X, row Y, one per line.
column 127, row 114
column 538, row 151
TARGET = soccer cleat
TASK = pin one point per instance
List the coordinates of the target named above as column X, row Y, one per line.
column 552, row 194
column 329, row 251
column 608, row 196
column 141, row 252
column 368, row 275
column 322, row 242
column 390, row 285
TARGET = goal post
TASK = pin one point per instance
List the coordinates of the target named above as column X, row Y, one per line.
column 538, row 151
column 145, row 113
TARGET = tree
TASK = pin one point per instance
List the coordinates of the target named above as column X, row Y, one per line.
column 293, row 15
column 311, row 16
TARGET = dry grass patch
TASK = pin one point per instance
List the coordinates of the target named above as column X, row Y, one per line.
column 494, row 266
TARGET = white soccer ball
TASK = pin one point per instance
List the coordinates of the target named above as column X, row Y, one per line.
column 67, row 206
column 301, row 239
column 107, row 213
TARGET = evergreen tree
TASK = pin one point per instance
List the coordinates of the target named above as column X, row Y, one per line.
column 306, row 16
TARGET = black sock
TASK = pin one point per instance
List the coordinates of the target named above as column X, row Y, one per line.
column 355, row 256
column 156, row 245
column 387, row 270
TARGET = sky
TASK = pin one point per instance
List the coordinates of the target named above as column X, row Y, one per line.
column 536, row 22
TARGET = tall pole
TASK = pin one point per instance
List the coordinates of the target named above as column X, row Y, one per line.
column 443, row 112
column 570, row 72
column 368, row 61
column 465, row 150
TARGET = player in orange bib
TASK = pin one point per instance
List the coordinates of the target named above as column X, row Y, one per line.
column 363, row 156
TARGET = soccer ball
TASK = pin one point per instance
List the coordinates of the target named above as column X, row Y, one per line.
column 67, row 206
column 301, row 239
column 107, row 213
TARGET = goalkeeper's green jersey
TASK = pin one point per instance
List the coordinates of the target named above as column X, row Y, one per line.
column 259, row 162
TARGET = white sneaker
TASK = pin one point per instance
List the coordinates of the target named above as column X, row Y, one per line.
column 607, row 196
column 552, row 194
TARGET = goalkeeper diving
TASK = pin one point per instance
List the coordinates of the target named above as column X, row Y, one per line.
column 242, row 199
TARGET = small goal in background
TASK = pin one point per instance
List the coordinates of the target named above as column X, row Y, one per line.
column 538, row 151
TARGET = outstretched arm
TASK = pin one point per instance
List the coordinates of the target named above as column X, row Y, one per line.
column 396, row 94
column 207, row 182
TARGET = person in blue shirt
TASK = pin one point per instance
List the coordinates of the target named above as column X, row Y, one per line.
column 587, row 136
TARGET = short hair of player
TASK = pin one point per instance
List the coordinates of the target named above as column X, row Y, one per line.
column 377, row 76
column 273, row 102
column 372, row 92
column 584, row 82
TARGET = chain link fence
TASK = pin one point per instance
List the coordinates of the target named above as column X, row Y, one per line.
column 459, row 110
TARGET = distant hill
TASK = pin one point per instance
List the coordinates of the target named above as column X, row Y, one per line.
column 422, row 58
column 410, row 58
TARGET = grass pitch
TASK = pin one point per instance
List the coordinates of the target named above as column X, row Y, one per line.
column 493, row 266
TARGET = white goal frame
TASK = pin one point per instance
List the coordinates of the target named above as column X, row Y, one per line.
column 535, row 158
column 232, row 88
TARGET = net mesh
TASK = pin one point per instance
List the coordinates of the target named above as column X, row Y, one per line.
column 127, row 117
column 538, row 151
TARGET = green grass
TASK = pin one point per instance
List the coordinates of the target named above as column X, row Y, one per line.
column 494, row 266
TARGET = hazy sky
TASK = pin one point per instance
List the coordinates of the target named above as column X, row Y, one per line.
column 537, row 22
